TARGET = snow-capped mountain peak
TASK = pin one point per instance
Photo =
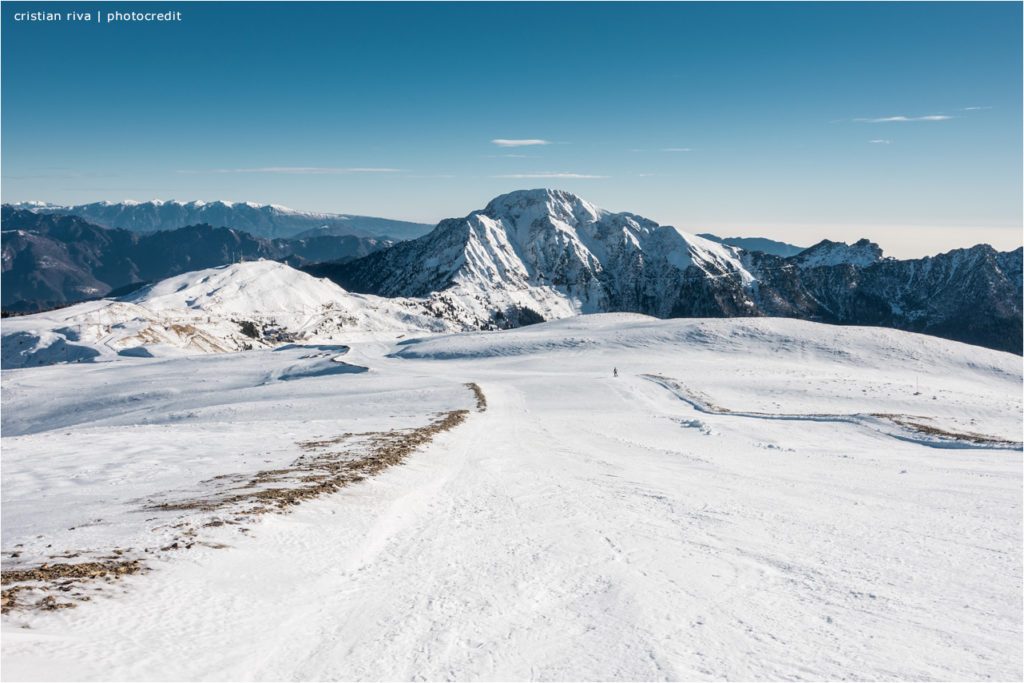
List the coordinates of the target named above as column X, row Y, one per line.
column 525, row 206
column 255, row 287
column 548, row 251
column 34, row 204
column 255, row 304
column 828, row 253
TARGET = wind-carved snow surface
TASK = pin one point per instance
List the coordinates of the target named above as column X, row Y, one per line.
column 747, row 499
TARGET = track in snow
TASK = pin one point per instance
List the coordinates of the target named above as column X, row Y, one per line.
column 926, row 435
column 588, row 527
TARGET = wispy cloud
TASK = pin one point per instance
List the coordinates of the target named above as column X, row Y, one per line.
column 549, row 175
column 61, row 175
column 122, row 190
column 662, row 149
column 880, row 142
column 888, row 119
column 297, row 170
column 501, row 142
column 974, row 108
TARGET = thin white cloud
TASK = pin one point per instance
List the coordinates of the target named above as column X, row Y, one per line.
column 676, row 149
column 880, row 142
column 887, row 119
column 300, row 170
column 549, row 175
column 500, row 142
column 974, row 108
column 62, row 176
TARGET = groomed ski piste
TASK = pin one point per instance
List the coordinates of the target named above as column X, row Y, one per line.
column 746, row 499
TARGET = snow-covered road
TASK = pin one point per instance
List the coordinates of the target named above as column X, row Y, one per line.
column 591, row 527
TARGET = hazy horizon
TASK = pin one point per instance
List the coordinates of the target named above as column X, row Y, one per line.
column 795, row 234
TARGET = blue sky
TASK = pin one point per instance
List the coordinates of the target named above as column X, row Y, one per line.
column 771, row 119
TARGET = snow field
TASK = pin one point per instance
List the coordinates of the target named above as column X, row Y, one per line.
column 89, row 448
column 584, row 526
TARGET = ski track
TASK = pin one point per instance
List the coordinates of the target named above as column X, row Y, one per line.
column 585, row 527
column 873, row 422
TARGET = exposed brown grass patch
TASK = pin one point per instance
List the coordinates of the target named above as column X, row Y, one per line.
column 63, row 577
column 904, row 421
column 697, row 399
column 326, row 466
column 481, row 400
column 82, row 570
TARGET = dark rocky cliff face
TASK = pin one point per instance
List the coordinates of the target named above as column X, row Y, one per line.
column 969, row 295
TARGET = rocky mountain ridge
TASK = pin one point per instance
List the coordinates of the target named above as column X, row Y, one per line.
column 537, row 255
column 545, row 254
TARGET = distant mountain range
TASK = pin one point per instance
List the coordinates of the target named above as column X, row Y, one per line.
column 53, row 259
column 543, row 254
column 756, row 244
column 536, row 255
column 262, row 220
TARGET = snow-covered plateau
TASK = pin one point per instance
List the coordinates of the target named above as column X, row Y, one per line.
column 636, row 498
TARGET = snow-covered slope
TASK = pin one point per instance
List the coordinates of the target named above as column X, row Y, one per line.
column 257, row 304
column 256, row 288
column 747, row 500
column 809, row 364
